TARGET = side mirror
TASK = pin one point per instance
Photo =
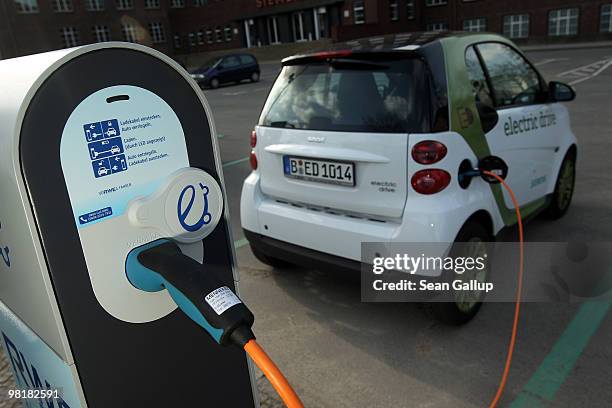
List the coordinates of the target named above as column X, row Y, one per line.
column 488, row 116
column 560, row 92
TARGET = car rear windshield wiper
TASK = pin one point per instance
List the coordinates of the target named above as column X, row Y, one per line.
column 282, row 124
column 346, row 63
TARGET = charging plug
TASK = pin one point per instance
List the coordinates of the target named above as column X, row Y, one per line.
column 198, row 293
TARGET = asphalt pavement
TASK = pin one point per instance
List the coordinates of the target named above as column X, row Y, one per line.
column 339, row 352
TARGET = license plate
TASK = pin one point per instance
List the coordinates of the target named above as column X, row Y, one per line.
column 321, row 171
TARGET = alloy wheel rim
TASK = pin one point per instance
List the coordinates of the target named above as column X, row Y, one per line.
column 466, row 300
column 565, row 188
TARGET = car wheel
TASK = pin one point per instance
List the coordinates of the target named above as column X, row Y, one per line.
column 214, row 83
column 564, row 188
column 270, row 260
column 459, row 307
column 255, row 77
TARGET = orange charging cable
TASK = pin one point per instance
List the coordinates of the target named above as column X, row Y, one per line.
column 274, row 375
column 519, row 288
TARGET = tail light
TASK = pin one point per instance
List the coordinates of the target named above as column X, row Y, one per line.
column 428, row 152
column 253, row 160
column 253, row 138
column 430, row 181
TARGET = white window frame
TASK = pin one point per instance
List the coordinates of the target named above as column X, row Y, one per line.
column 218, row 34
column 300, row 26
column 605, row 18
column 437, row 26
column 200, row 3
column 101, row 33
column 128, row 31
column 158, row 33
column 410, row 9
column 177, row 4
column 70, row 36
column 124, row 4
column 227, row 33
column 152, row 4
column 393, row 10
column 26, row 6
column 434, row 3
column 94, row 5
column 176, row 41
column 561, row 21
column 475, row 25
column 359, row 10
column 272, row 25
column 192, row 40
column 516, row 25
column 210, row 38
column 62, row 6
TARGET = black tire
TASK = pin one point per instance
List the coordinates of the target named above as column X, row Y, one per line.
column 564, row 188
column 214, row 83
column 270, row 260
column 451, row 312
column 255, row 77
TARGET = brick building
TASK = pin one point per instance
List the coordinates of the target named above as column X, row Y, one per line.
column 193, row 26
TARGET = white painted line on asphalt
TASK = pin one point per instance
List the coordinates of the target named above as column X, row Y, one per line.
column 234, row 93
column 548, row 61
column 593, row 65
column 593, row 75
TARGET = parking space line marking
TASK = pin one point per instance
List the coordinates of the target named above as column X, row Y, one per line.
column 234, row 162
column 239, row 243
column 549, row 60
column 559, row 363
column 220, row 136
column 593, row 75
column 595, row 64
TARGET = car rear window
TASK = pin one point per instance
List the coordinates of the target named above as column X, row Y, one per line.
column 350, row 95
column 247, row 60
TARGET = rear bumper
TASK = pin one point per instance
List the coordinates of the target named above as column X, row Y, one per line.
column 299, row 255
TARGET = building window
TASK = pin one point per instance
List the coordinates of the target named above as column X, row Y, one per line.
column 209, row 36
column 70, row 37
column 200, row 37
column 129, row 33
column 151, row 4
column 124, row 4
column 437, row 26
column 177, row 41
column 200, row 3
column 516, row 26
column 157, row 33
column 431, row 3
column 62, row 6
column 410, row 9
column 358, row 12
column 218, row 34
column 26, row 6
column 563, row 22
column 298, row 26
column 393, row 10
column 228, row 33
column 94, row 5
column 605, row 24
column 272, row 24
column 177, row 4
column 475, row 24
column 101, row 33
column 192, row 39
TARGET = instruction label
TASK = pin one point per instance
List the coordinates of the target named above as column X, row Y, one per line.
column 113, row 152
column 222, row 299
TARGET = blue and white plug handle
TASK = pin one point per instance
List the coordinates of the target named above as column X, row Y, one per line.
column 186, row 208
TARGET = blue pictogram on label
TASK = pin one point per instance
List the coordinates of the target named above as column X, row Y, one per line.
column 105, row 147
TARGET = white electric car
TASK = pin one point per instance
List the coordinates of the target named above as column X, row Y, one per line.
column 369, row 142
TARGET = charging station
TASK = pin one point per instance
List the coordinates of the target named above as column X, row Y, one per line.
column 104, row 150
